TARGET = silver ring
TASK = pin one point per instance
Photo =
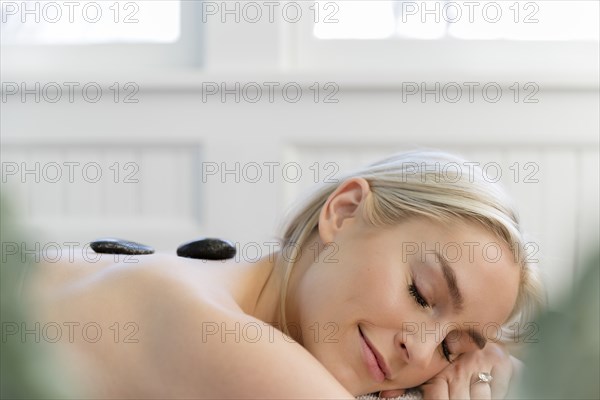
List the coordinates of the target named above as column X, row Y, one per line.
column 484, row 377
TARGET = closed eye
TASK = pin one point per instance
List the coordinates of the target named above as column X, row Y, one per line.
column 446, row 351
column 419, row 299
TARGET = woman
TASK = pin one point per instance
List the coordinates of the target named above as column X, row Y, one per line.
column 395, row 277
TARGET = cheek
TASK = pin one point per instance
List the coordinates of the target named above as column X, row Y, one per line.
column 384, row 292
column 325, row 295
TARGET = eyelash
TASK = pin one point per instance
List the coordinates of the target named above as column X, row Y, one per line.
column 414, row 292
column 420, row 300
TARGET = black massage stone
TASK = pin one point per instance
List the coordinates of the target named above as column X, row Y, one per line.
column 207, row 249
column 119, row 246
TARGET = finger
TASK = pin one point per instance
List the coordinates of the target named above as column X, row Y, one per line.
column 435, row 390
column 480, row 390
column 390, row 394
column 459, row 389
column 501, row 380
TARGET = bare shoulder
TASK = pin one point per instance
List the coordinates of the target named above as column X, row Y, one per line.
column 239, row 356
column 169, row 331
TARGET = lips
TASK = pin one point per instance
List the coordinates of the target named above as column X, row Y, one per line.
column 373, row 359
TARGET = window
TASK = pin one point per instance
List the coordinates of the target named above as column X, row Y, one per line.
column 34, row 22
column 105, row 36
column 471, row 20
column 547, row 42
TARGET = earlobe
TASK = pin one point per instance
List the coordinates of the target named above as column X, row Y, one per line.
column 342, row 206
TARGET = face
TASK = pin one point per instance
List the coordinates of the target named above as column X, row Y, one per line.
column 386, row 309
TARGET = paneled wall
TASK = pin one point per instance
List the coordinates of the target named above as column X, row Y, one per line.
column 174, row 167
column 104, row 187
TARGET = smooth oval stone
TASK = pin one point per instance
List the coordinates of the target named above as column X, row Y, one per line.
column 119, row 246
column 207, row 249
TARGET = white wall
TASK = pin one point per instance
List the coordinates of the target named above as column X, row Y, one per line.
column 172, row 133
column 171, row 136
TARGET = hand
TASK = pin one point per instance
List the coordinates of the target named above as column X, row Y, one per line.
column 457, row 381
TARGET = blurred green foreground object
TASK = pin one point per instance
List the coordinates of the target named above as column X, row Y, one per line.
column 27, row 368
column 565, row 363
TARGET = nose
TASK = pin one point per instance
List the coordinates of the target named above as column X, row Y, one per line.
column 417, row 348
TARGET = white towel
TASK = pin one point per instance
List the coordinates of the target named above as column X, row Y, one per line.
column 409, row 395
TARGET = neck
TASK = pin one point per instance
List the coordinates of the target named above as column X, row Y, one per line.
column 266, row 294
column 268, row 301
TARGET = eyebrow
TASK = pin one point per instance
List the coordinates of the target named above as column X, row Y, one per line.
column 450, row 278
column 457, row 298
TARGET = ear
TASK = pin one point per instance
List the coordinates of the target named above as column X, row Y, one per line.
column 341, row 206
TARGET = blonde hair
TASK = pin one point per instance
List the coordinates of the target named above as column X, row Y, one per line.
column 423, row 183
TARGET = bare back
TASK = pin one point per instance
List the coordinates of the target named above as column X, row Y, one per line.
column 167, row 327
